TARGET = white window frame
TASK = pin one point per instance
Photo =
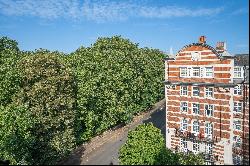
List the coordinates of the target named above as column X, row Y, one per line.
column 237, row 160
column 195, row 108
column 238, row 72
column 208, row 92
column 184, row 124
column 182, row 91
column 183, row 145
column 237, row 141
column 208, row 148
column 210, row 108
column 209, row 72
column 196, row 127
column 238, row 107
column 194, row 70
column 238, row 90
column 196, row 147
column 183, row 70
column 237, row 125
column 193, row 90
column 189, row 69
column 208, row 130
column 184, row 106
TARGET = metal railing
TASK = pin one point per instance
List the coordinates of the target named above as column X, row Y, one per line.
column 195, row 136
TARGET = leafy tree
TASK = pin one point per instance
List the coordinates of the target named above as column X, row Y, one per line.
column 47, row 91
column 143, row 146
column 9, row 77
column 17, row 139
column 190, row 159
column 115, row 80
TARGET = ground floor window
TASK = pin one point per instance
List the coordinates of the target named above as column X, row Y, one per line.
column 208, row 148
column 196, row 147
column 183, row 145
column 237, row 160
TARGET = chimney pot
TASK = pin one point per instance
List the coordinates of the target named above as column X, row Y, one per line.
column 202, row 39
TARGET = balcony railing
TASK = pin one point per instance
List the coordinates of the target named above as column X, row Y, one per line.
column 237, row 115
column 195, row 136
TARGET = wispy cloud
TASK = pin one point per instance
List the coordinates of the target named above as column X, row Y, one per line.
column 100, row 11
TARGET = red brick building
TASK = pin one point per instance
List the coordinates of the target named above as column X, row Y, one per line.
column 207, row 103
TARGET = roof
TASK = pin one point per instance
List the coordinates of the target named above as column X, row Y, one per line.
column 223, row 55
column 241, row 60
column 200, row 44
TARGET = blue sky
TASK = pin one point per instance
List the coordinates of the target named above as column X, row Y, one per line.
column 65, row 25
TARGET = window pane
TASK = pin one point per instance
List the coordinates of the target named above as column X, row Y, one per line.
column 184, row 106
column 196, row 91
column 183, row 90
column 183, row 72
column 209, row 110
column 196, row 108
column 196, row 72
column 209, row 92
column 209, row 71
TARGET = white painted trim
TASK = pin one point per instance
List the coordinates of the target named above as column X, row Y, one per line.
column 205, row 114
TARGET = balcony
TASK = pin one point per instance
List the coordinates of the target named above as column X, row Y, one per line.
column 195, row 136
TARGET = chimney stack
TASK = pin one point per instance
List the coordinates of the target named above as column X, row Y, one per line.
column 202, row 39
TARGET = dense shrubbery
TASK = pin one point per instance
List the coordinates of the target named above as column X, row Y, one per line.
column 145, row 146
column 50, row 102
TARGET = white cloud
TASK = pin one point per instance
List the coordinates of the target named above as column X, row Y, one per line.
column 99, row 11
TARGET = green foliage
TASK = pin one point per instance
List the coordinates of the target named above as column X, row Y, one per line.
column 190, row 159
column 47, row 91
column 145, row 146
column 52, row 101
column 16, row 138
column 115, row 80
column 9, row 77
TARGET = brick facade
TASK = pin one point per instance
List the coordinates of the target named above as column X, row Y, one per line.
column 206, row 69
